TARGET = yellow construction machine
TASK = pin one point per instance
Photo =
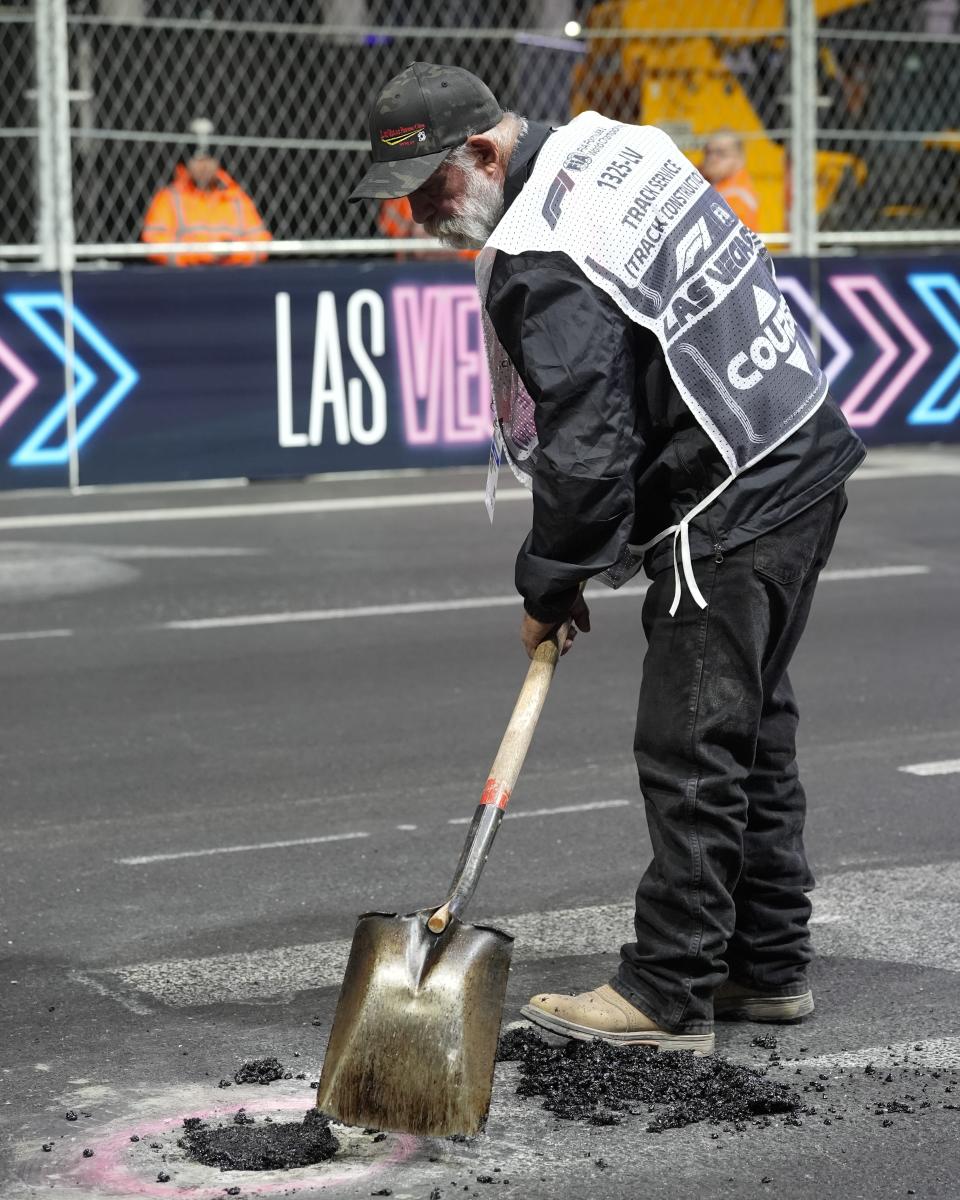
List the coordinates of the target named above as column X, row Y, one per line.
column 735, row 77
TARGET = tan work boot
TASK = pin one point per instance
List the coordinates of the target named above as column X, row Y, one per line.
column 740, row 1002
column 604, row 1014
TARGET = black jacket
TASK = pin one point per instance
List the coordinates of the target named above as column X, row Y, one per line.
column 621, row 456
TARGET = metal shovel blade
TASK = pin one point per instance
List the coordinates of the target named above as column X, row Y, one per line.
column 414, row 1038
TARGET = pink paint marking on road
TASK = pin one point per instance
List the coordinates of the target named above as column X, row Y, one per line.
column 109, row 1174
column 26, row 381
column 848, row 287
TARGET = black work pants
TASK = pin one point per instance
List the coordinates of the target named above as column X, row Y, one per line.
column 716, row 753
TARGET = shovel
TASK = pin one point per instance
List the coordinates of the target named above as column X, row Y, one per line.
column 414, row 1037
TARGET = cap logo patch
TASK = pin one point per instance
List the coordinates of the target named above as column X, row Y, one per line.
column 403, row 135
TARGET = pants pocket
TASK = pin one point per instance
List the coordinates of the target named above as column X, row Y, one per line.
column 786, row 554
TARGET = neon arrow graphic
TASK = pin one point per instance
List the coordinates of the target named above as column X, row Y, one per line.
column 929, row 411
column 26, row 381
column 848, row 288
column 842, row 351
column 34, row 452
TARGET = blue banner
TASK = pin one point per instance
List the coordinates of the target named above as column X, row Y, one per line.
column 296, row 369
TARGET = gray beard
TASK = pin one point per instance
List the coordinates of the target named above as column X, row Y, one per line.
column 479, row 216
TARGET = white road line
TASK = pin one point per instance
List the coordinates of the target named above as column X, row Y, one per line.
column 892, row 914
column 947, row 766
column 839, row 574
column 417, row 608
column 130, row 1003
column 343, row 614
column 551, row 812
column 895, row 914
column 280, row 508
column 143, row 859
column 29, row 635
column 909, row 467
column 467, row 603
column 938, row 1053
column 56, row 549
column 887, row 467
column 280, row 974
column 377, row 610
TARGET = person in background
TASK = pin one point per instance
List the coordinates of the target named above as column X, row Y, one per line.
column 725, row 166
column 395, row 220
column 204, row 204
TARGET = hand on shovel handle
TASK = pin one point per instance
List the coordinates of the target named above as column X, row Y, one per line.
column 536, row 635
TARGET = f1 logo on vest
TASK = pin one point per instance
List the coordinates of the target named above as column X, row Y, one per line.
column 691, row 246
column 778, row 337
column 562, row 184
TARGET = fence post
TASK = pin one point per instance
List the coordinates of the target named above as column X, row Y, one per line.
column 63, row 193
column 46, row 231
column 803, row 134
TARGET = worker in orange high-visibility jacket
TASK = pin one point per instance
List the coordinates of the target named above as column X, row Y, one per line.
column 204, row 204
column 395, row 220
column 725, row 166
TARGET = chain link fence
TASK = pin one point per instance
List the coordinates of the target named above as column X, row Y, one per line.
column 890, row 105
column 850, row 126
column 19, row 159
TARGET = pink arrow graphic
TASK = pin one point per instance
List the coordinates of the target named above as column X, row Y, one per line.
column 848, row 288
column 842, row 351
column 26, row 381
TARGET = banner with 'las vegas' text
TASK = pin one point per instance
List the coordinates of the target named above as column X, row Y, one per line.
column 286, row 370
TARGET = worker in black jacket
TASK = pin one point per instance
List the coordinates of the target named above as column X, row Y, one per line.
column 651, row 385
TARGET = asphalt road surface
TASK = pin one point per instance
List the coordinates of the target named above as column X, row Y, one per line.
column 235, row 718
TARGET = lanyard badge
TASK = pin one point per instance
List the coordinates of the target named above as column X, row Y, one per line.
column 493, row 470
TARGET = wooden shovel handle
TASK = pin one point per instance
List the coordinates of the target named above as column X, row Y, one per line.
column 526, row 712
column 501, row 779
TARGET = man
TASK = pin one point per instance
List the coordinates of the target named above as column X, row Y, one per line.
column 204, row 204
column 649, row 379
column 725, row 166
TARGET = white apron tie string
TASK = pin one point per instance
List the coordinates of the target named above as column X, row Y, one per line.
column 682, row 533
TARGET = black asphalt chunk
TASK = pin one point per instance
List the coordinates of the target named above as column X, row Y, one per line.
column 260, row 1070
column 273, row 1147
column 600, row 1084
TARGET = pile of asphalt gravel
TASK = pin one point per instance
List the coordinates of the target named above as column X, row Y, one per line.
column 600, row 1084
column 260, row 1070
column 246, row 1145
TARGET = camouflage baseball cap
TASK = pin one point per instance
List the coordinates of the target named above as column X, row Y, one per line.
column 418, row 118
